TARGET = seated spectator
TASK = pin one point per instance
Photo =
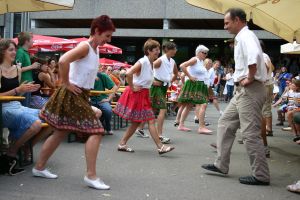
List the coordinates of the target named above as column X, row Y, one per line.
column 112, row 76
column 116, row 74
column 296, row 126
column 46, row 78
column 23, row 122
column 123, row 77
column 287, row 101
column 102, row 101
column 53, row 67
column 296, row 121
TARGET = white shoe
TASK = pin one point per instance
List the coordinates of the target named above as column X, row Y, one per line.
column 221, row 113
column 294, row 187
column 43, row 173
column 97, row 184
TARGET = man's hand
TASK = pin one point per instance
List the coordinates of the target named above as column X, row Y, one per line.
column 246, row 82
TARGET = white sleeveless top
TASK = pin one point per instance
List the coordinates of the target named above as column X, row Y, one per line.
column 198, row 71
column 165, row 71
column 83, row 72
column 146, row 77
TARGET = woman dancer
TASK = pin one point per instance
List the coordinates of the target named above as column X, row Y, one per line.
column 68, row 109
column 134, row 104
column 165, row 72
column 195, row 90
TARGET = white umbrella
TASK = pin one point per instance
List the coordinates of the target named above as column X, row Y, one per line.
column 290, row 48
column 277, row 16
column 34, row 5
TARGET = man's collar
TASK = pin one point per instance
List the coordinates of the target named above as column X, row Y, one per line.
column 240, row 32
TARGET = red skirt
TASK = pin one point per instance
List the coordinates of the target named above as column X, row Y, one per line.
column 135, row 106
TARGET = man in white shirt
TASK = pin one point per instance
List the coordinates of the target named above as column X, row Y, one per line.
column 245, row 108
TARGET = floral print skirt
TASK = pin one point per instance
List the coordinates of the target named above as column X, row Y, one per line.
column 70, row 112
column 158, row 97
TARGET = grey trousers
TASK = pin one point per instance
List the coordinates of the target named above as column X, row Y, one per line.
column 244, row 111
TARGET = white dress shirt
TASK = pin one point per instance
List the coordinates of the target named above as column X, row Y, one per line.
column 247, row 51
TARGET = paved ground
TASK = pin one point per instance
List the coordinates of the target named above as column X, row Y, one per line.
column 146, row 175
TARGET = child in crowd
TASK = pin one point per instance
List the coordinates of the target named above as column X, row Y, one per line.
column 290, row 100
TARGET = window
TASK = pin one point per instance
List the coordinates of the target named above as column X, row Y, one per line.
column 17, row 24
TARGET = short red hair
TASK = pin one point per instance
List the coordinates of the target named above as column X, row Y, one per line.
column 103, row 23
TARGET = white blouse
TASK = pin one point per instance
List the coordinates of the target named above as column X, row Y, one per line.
column 146, row 77
column 198, row 71
column 83, row 72
column 165, row 71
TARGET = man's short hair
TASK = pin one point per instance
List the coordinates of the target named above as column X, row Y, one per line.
column 237, row 12
column 23, row 37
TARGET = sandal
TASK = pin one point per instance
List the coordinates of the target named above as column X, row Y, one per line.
column 165, row 149
column 125, row 148
column 176, row 123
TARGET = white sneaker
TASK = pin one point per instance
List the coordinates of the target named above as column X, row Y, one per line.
column 43, row 173
column 221, row 112
column 164, row 140
column 141, row 133
column 97, row 184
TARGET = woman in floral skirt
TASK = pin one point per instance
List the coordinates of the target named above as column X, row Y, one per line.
column 68, row 109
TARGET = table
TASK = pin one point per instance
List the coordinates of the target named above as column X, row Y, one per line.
column 97, row 92
column 121, row 90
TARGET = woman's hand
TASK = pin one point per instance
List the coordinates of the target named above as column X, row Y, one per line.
column 136, row 88
column 73, row 88
column 193, row 79
column 28, row 87
column 157, row 83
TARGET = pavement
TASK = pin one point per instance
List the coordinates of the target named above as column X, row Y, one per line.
column 144, row 175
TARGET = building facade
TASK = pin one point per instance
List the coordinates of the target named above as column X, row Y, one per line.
column 137, row 20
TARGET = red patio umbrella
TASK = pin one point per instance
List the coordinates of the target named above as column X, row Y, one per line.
column 115, row 64
column 105, row 49
column 47, row 43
